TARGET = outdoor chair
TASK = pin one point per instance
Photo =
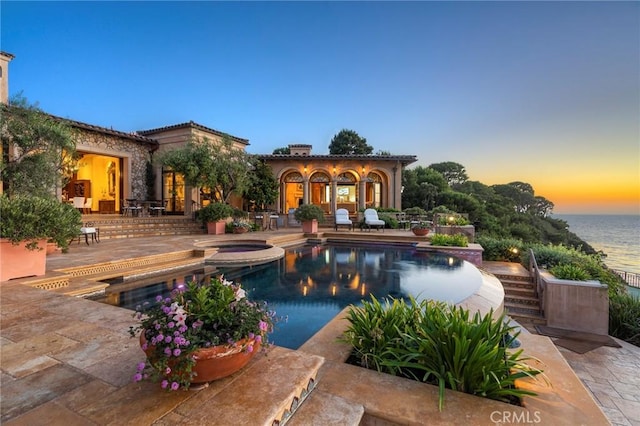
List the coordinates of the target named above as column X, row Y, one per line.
column 131, row 207
column 342, row 219
column 371, row 220
column 273, row 220
column 86, row 208
column 89, row 229
column 158, row 209
column 78, row 203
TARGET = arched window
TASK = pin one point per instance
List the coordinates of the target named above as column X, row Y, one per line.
column 347, row 194
column 373, row 190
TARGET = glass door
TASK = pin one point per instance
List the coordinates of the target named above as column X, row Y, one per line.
column 173, row 191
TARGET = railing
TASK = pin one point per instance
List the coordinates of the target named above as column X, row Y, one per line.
column 631, row 278
column 535, row 274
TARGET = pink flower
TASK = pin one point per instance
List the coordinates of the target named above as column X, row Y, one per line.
column 258, row 338
column 175, row 386
column 164, row 384
column 137, row 377
column 141, row 366
column 263, row 326
column 176, row 352
column 250, row 348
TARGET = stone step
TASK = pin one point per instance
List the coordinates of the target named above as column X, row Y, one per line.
column 525, row 301
column 519, row 292
column 114, row 226
column 527, row 319
column 518, row 278
column 517, row 308
column 506, row 283
column 264, row 393
column 322, row 409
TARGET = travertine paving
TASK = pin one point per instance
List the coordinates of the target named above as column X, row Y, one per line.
column 60, row 355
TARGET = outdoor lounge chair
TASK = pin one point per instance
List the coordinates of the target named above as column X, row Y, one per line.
column 371, row 220
column 342, row 219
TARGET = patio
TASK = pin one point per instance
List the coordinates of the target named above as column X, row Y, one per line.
column 70, row 360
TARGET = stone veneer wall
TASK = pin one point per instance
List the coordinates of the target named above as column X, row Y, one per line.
column 116, row 146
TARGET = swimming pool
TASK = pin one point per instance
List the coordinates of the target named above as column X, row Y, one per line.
column 311, row 284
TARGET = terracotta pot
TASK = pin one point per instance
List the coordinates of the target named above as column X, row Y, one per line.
column 53, row 248
column 420, row 232
column 310, row 226
column 239, row 230
column 217, row 362
column 16, row 261
column 216, row 228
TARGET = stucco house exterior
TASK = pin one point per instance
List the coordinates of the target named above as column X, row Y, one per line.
column 353, row 182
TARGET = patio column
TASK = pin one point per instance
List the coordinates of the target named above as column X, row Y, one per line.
column 334, row 196
column 305, row 191
column 362, row 194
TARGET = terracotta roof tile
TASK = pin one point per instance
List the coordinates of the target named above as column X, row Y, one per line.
column 193, row 125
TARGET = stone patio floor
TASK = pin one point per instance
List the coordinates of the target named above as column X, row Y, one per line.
column 612, row 375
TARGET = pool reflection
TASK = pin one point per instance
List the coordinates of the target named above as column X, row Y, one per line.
column 312, row 284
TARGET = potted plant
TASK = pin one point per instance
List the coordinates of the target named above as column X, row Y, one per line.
column 201, row 333
column 214, row 216
column 28, row 222
column 309, row 215
column 240, row 226
column 421, row 229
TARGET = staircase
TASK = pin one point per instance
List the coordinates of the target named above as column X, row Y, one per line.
column 521, row 300
column 520, row 296
column 115, row 226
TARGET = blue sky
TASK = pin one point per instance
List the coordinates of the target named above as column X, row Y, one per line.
column 542, row 92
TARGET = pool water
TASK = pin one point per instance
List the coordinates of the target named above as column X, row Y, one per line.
column 311, row 284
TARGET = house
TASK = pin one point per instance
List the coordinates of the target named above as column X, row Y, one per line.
column 115, row 166
column 352, row 182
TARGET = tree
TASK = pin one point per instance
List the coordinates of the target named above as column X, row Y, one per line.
column 262, row 188
column 217, row 168
column 454, row 173
column 285, row 150
column 348, row 142
column 421, row 187
column 519, row 192
column 38, row 150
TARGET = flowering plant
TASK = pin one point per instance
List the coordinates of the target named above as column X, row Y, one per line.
column 241, row 224
column 197, row 316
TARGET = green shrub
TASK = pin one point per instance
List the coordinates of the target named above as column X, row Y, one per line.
column 457, row 240
column 570, row 272
column 308, row 212
column 28, row 219
column 389, row 221
column 439, row 344
column 415, row 211
column 624, row 317
column 214, row 212
column 501, row 249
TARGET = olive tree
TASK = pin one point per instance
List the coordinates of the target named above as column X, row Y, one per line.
column 38, row 150
column 217, row 168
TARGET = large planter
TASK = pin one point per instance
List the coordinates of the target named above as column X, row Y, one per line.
column 216, row 228
column 217, row 362
column 420, row 232
column 16, row 261
column 310, row 226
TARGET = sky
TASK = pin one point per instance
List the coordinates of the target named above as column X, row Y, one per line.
column 546, row 93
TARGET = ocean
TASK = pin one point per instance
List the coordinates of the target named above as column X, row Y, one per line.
column 616, row 235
